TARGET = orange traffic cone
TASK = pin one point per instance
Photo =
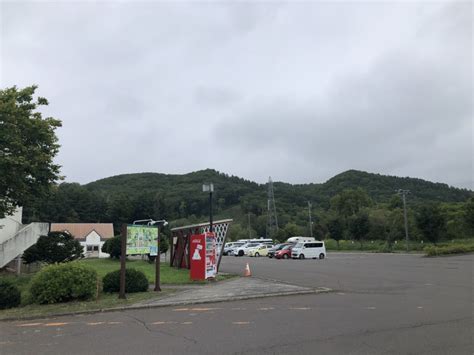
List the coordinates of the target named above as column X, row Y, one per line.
column 247, row 270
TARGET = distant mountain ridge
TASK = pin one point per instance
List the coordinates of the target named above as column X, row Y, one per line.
column 234, row 190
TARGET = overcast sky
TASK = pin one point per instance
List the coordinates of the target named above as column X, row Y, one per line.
column 297, row 91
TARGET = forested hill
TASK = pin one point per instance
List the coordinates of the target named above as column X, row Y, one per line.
column 232, row 190
column 179, row 198
column 381, row 187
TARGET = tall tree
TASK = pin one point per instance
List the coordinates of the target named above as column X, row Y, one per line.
column 28, row 145
column 431, row 222
column 336, row 229
column 469, row 214
column 359, row 227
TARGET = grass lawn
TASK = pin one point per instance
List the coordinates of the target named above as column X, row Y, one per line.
column 105, row 300
column 168, row 275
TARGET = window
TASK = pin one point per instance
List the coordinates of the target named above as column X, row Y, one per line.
column 318, row 245
column 96, row 248
column 89, row 248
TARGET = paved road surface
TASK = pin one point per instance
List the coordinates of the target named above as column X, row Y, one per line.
column 394, row 304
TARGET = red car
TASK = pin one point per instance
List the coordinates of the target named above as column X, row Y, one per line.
column 284, row 253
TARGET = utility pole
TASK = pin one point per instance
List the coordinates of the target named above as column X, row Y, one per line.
column 404, row 193
column 250, row 236
column 310, row 222
column 272, row 221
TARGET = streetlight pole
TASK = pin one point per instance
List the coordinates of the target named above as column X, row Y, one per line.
column 404, row 193
column 209, row 188
column 310, row 222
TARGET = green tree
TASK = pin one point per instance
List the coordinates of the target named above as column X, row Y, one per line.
column 336, row 229
column 349, row 202
column 56, row 247
column 28, row 145
column 113, row 247
column 431, row 222
column 359, row 227
column 469, row 214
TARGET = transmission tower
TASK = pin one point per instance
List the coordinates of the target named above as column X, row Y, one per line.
column 272, row 221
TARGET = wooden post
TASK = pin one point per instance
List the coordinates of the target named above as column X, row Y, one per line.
column 123, row 249
column 157, row 271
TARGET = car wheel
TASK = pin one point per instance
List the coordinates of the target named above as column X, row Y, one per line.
column 321, row 256
column 257, row 254
column 301, row 256
column 241, row 253
column 285, row 256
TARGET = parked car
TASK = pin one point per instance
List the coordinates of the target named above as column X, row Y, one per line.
column 300, row 239
column 285, row 252
column 229, row 247
column 242, row 250
column 309, row 250
column 272, row 251
column 259, row 250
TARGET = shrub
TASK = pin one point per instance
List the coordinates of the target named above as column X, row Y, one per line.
column 10, row 295
column 449, row 249
column 135, row 281
column 62, row 283
column 56, row 247
column 113, row 247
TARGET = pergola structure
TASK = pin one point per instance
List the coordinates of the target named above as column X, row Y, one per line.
column 180, row 237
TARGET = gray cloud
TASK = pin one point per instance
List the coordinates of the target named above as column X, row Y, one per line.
column 297, row 91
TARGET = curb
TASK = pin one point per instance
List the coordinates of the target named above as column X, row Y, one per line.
column 172, row 304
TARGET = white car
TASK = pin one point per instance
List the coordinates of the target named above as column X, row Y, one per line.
column 310, row 250
column 229, row 247
column 242, row 250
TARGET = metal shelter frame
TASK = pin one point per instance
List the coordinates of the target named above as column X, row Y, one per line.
column 180, row 237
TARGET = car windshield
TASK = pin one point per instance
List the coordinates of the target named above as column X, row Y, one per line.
column 298, row 245
column 286, row 247
column 250, row 245
column 279, row 246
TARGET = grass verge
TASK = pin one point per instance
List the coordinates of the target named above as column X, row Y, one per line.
column 105, row 301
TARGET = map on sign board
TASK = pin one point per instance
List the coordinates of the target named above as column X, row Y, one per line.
column 142, row 240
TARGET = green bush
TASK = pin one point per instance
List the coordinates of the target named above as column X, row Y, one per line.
column 135, row 281
column 56, row 247
column 449, row 249
column 112, row 247
column 10, row 295
column 62, row 283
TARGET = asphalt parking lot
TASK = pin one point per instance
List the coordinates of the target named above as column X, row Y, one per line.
column 380, row 304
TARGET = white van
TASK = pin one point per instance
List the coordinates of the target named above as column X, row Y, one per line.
column 300, row 239
column 310, row 250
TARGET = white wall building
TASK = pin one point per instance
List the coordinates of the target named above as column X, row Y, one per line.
column 91, row 236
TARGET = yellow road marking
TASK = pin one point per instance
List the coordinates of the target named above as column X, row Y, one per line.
column 240, row 323
column 114, row 322
column 54, row 324
column 203, row 309
column 28, row 324
column 187, row 323
column 180, row 309
column 95, row 323
column 300, row 308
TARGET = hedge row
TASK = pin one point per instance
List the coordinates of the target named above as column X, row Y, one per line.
column 449, row 249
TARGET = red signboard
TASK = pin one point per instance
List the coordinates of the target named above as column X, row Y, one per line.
column 203, row 259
